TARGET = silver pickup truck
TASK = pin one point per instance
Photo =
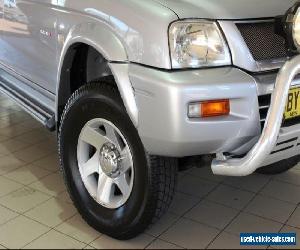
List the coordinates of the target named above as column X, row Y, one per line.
column 137, row 89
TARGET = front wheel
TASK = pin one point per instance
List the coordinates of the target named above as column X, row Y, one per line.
column 116, row 186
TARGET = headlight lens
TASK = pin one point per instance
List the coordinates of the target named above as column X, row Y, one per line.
column 296, row 29
column 288, row 26
column 197, row 44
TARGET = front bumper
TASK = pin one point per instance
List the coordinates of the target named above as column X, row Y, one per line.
column 162, row 98
column 256, row 157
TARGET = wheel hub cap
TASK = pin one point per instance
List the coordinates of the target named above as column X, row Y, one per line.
column 109, row 160
column 105, row 163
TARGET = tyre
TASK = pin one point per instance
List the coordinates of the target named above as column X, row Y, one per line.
column 116, row 186
column 279, row 167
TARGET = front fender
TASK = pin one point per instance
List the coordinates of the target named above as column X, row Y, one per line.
column 102, row 39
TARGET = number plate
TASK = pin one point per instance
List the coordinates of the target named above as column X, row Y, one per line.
column 292, row 109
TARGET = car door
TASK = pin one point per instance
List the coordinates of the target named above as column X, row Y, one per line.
column 1, row 15
column 29, row 41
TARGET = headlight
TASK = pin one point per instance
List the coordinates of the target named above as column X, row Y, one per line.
column 195, row 44
column 288, row 26
column 296, row 29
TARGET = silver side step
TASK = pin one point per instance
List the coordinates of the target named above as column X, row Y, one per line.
column 266, row 143
column 47, row 119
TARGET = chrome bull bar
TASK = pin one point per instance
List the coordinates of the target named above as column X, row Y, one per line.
column 268, row 139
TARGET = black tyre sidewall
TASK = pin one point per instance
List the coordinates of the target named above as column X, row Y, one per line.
column 115, row 222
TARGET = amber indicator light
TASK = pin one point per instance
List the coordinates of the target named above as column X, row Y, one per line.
column 215, row 108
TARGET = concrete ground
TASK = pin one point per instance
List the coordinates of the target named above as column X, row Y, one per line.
column 208, row 211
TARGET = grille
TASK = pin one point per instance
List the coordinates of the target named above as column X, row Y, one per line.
column 262, row 41
column 281, row 146
column 264, row 104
